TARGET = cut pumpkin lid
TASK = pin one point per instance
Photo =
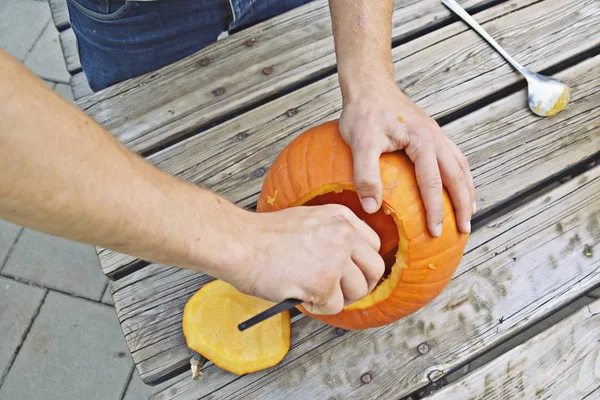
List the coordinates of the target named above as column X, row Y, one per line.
column 210, row 326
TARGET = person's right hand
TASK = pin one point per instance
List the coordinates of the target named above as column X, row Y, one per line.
column 323, row 255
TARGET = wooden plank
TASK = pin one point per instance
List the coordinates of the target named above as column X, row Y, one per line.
column 232, row 157
column 516, row 271
column 145, row 112
column 68, row 42
column 562, row 362
column 60, row 14
column 149, row 306
column 80, row 86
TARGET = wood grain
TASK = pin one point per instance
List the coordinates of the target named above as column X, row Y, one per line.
column 145, row 312
column 80, row 86
column 516, row 270
column 60, row 14
column 68, row 42
column 562, row 362
column 232, row 158
column 147, row 111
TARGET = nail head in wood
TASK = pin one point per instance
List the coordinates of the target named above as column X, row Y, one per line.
column 435, row 375
column 219, row 91
column 257, row 173
column 195, row 364
column 250, row 42
column 204, row 62
column 241, row 136
column 340, row 331
column 268, row 70
column 423, row 348
column 587, row 250
column 366, row 378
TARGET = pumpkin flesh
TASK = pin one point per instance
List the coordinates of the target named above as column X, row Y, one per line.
column 210, row 327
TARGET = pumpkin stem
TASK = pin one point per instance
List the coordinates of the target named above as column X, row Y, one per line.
column 197, row 363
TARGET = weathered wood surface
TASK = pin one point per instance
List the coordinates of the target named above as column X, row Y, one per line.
column 562, row 362
column 80, row 86
column 516, row 270
column 228, row 75
column 68, row 42
column 60, row 14
column 513, row 152
column 441, row 77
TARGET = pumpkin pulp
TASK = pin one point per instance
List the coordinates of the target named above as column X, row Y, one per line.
column 382, row 222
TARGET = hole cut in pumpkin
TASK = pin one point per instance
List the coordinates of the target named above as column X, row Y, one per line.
column 383, row 223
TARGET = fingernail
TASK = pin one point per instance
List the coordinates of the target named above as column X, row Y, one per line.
column 369, row 204
column 467, row 227
column 438, row 230
column 474, row 207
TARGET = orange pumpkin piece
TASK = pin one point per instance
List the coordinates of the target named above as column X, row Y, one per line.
column 210, row 326
column 317, row 168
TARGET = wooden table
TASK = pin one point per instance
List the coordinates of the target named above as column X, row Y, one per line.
column 219, row 118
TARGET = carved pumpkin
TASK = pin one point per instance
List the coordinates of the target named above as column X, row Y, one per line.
column 316, row 168
column 210, row 326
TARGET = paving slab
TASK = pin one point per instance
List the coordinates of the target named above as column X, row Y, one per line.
column 138, row 390
column 18, row 304
column 8, row 235
column 74, row 350
column 65, row 91
column 107, row 297
column 46, row 58
column 21, row 23
column 56, row 263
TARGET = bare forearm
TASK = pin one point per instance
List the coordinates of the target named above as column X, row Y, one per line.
column 62, row 173
column 377, row 117
column 362, row 34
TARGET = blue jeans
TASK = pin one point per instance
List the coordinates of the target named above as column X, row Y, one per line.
column 118, row 40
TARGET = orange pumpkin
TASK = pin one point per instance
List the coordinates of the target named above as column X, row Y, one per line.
column 316, row 168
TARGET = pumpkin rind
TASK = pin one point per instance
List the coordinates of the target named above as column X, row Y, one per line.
column 210, row 320
column 318, row 162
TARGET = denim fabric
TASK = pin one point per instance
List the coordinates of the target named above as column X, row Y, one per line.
column 118, row 40
column 249, row 12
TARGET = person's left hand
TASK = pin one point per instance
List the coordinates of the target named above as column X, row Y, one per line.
column 380, row 118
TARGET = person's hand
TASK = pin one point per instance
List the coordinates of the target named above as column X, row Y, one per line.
column 323, row 255
column 380, row 118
